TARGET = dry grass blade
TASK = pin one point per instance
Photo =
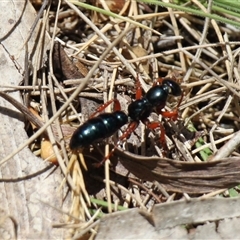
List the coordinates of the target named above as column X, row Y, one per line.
column 22, row 108
column 94, row 58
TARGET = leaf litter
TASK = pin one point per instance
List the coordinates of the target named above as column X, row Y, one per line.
column 94, row 58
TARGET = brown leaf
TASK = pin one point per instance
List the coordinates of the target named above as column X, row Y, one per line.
column 63, row 65
column 177, row 176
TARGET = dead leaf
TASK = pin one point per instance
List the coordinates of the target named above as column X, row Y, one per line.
column 62, row 64
column 184, row 177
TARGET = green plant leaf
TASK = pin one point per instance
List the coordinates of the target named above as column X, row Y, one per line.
column 105, row 204
column 192, row 10
column 111, row 14
column 206, row 152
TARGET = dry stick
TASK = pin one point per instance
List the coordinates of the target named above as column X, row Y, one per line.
column 209, row 144
column 22, row 108
column 228, row 148
column 213, row 194
column 127, row 191
column 234, row 142
column 201, row 41
column 42, row 128
column 203, row 109
column 124, row 61
column 118, row 29
column 172, row 51
column 39, row 50
column 184, row 49
column 203, row 96
column 57, row 91
column 151, row 193
column 203, row 65
column 199, row 83
column 52, row 97
column 237, row 76
column 106, row 167
column 38, row 58
column 85, row 230
column 58, row 113
column 226, row 106
column 179, row 43
column 218, row 32
column 159, row 15
column 204, row 88
column 107, row 177
column 50, row 133
column 39, row 15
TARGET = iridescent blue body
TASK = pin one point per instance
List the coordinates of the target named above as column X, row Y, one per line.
column 156, row 97
column 106, row 124
column 98, row 128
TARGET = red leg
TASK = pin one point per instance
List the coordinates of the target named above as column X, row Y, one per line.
column 159, row 81
column 171, row 114
column 117, row 107
column 130, row 129
column 138, row 89
column 154, row 125
column 180, row 100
